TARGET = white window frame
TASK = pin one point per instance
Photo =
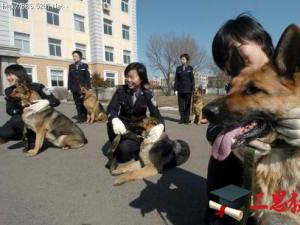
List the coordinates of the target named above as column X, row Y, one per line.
column 125, row 6
column 34, row 74
column 80, row 19
column 22, row 8
column 112, row 52
column 83, row 50
column 126, row 53
column 23, row 40
column 116, row 78
column 106, row 1
column 56, row 45
column 125, row 32
column 52, row 15
column 108, row 26
column 65, row 77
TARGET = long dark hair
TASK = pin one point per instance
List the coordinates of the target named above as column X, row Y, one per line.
column 141, row 71
column 20, row 72
column 243, row 28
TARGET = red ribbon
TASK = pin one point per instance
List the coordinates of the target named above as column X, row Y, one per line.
column 221, row 212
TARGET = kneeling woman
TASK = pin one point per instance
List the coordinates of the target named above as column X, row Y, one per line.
column 128, row 107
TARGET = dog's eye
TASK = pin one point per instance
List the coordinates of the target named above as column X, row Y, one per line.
column 252, row 89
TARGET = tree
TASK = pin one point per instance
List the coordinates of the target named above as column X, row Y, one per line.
column 97, row 82
column 163, row 53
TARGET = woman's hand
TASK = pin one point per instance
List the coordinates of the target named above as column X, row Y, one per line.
column 118, row 126
column 289, row 127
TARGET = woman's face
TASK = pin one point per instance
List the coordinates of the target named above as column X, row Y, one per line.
column 183, row 60
column 252, row 54
column 133, row 80
column 12, row 79
column 76, row 57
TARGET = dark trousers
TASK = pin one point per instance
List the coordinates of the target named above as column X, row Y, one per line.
column 81, row 111
column 220, row 174
column 13, row 130
column 128, row 147
column 184, row 105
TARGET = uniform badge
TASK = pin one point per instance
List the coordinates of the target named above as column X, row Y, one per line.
column 153, row 101
column 46, row 91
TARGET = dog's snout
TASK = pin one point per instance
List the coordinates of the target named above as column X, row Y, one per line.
column 212, row 112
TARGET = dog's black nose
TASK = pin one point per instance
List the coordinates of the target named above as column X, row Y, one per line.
column 211, row 112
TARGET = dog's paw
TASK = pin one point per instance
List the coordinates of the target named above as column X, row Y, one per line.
column 65, row 148
column 117, row 172
column 120, row 180
column 31, row 153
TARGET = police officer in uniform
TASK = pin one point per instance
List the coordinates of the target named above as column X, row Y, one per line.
column 128, row 106
column 13, row 129
column 78, row 75
column 183, row 87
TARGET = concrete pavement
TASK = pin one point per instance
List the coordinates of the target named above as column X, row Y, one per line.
column 73, row 187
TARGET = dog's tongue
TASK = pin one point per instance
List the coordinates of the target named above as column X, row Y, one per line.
column 221, row 147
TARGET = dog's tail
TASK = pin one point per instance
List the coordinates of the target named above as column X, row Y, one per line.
column 182, row 151
column 85, row 141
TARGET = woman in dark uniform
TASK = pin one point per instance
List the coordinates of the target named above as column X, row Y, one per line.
column 128, row 106
column 183, row 87
column 13, row 129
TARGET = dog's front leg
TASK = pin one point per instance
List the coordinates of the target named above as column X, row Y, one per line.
column 147, row 171
column 127, row 168
column 39, row 140
column 193, row 119
column 92, row 117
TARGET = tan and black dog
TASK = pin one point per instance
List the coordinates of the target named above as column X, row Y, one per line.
column 154, row 156
column 95, row 111
column 48, row 123
column 256, row 101
column 197, row 105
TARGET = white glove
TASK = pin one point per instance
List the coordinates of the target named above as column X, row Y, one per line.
column 176, row 93
column 38, row 105
column 155, row 133
column 289, row 127
column 118, row 126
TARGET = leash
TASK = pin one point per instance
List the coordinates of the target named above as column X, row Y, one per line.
column 112, row 161
column 248, row 181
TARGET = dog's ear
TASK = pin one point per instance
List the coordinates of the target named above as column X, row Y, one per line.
column 287, row 53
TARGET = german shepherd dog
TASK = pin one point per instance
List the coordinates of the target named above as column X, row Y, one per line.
column 48, row 123
column 197, row 105
column 154, row 156
column 256, row 100
column 95, row 111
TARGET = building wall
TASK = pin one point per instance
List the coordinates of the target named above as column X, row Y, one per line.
column 36, row 26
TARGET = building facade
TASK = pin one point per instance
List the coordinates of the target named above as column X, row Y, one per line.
column 41, row 36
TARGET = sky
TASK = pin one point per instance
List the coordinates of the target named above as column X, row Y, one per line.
column 201, row 19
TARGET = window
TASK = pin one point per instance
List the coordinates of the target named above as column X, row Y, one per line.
column 125, row 32
column 107, row 26
column 22, row 41
column 54, row 47
column 20, row 8
column 82, row 48
column 107, row 1
column 79, row 22
column 109, row 54
column 52, row 15
column 124, row 6
column 126, row 57
column 111, row 78
column 57, row 78
column 29, row 72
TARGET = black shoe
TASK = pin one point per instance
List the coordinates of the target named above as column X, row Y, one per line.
column 26, row 149
column 80, row 121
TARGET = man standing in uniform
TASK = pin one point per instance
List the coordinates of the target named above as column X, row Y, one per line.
column 78, row 75
column 183, row 87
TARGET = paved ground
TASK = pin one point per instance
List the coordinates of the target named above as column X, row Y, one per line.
column 73, row 187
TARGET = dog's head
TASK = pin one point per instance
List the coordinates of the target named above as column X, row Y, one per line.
column 197, row 95
column 258, row 98
column 147, row 124
column 22, row 94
